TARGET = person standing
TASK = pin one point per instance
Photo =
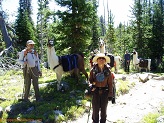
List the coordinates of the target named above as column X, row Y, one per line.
column 127, row 61
column 31, row 69
column 102, row 83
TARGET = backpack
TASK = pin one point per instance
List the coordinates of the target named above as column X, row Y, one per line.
column 111, row 60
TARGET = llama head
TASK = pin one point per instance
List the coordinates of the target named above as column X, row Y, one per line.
column 50, row 43
column 101, row 43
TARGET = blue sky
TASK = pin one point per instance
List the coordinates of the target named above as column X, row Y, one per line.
column 119, row 8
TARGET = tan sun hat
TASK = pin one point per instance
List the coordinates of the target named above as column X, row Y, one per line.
column 30, row 42
column 101, row 55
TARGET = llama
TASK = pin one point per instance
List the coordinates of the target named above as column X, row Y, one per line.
column 141, row 63
column 117, row 59
column 102, row 46
column 59, row 67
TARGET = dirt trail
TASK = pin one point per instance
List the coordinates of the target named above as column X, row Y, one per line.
column 130, row 108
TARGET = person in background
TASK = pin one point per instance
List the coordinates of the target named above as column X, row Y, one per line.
column 29, row 60
column 127, row 61
column 102, row 87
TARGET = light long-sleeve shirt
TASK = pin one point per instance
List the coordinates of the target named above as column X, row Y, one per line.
column 31, row 58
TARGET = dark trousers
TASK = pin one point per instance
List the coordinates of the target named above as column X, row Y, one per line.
column 127, row 64
column 31, row 75
column 99, row 103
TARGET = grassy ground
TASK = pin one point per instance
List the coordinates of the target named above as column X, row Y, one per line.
column 56, row 106
column 71, row 103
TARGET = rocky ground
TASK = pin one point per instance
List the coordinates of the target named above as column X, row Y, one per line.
column 142, row 99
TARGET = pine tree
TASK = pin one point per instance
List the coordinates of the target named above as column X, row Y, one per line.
column 157, row 42
column 95, row 28
column 110, row 37
column 24, row 25
column 140, row 28
column 75, row 25
column 43, row 16
column 148, row 30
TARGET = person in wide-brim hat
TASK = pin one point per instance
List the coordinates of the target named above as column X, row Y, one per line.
column 101, row 82
column 101, row 55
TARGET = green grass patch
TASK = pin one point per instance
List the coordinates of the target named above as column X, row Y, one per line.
column 123, row 87
column 12, row 84
column 152, row 117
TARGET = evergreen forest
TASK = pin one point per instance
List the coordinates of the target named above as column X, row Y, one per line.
column 76, row 27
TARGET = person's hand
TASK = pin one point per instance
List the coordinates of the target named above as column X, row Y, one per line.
column 110, row 94
column 94, row 83
column 40, row 73
column 25, row 62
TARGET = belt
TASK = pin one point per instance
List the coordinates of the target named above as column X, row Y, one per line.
column 102, row 88
column 29, row 67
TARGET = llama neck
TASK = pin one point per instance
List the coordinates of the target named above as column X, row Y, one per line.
column 135, row 59
column 52, row 57
column 102, row 49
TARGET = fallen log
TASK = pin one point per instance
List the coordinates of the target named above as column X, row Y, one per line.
column 159, row 78
column 153, row 75
column 143, row 77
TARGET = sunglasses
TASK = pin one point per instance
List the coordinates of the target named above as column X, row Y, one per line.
column 101, row 58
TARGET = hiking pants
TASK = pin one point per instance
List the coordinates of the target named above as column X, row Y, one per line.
column 127, row 65
column 31, row 75
column 99, row 103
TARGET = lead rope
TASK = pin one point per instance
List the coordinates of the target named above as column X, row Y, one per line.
column 29, row 68
column 33, row 73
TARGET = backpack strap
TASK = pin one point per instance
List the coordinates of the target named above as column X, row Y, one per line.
column 95, row 70
column 106, row 71
column 26, row 51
